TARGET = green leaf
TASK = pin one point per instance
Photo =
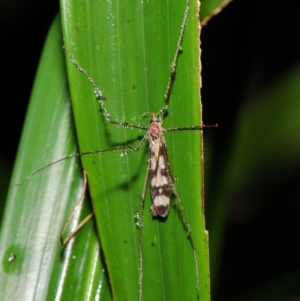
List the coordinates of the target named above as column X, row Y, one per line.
column 34, row 265
column 127, row 48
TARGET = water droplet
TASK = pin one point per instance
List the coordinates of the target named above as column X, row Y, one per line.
column 137, row 219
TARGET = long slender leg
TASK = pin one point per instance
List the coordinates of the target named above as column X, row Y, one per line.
column 190, row 128
column 100, row 96
column 122, row 147
column 175, row 59
column 189, row 233
column 184, row 219
column 64, row 241
column 140, row 225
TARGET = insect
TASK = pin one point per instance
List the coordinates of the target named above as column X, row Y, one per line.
column 158, row 170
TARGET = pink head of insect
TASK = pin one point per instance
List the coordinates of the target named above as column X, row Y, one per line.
column 155, row 126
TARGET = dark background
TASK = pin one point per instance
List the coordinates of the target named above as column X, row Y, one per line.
column 245, row 49
column 23, row 28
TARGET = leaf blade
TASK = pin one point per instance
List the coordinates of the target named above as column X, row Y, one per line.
column 115, row 45
column 36, row 211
